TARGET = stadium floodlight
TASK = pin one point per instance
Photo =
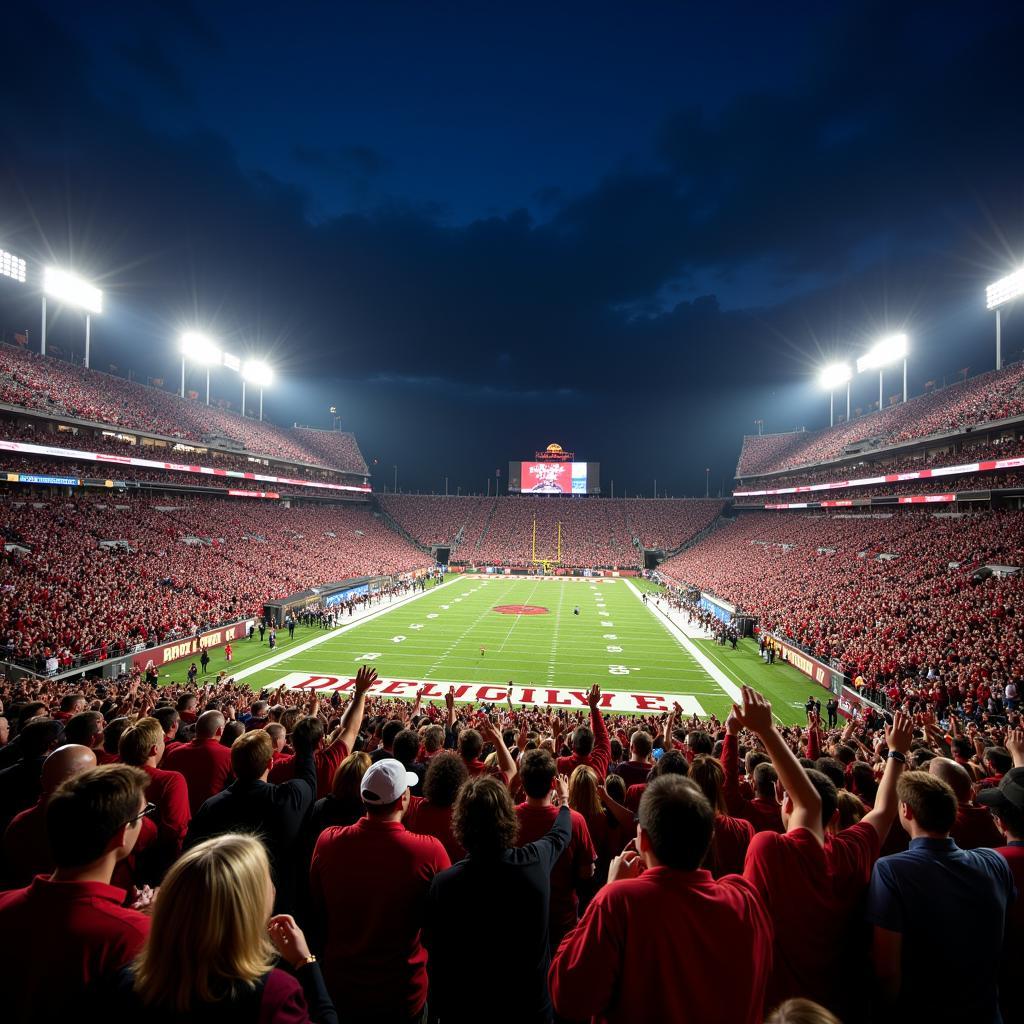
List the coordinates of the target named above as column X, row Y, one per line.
column 1007, row 289
column 12, row 266
column 70, row 290
column 832, row 377
column 884, row 353
column 232, row 362
column 257, row 372
column 198, row 348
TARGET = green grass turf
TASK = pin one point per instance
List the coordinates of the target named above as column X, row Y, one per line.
column 442, row 633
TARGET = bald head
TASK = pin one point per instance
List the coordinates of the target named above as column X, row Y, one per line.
column 210, row 725
column 954, row 775
column 65, row 763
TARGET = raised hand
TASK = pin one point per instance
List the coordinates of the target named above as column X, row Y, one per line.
column 594, row 697
column 756, row 713
column 365, row 678
column 900, row 734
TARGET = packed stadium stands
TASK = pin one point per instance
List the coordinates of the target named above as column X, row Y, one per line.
column 91, row 577
column 978, row 400
column 435, row 519
column 888, row 597
column 48, row 385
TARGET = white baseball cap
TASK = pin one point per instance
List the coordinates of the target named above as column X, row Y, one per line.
column 385, row 782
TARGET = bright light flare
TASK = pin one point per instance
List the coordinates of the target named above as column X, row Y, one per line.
column 834, row 376
column 198, row 348
column 888, row 350
column 12, row 266
column 1005, row 290
column 232, row 362
column 258, row 372
column 71, row 289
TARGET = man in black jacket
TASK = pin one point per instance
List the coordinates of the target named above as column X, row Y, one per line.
column 461, row 971
column 275, row 813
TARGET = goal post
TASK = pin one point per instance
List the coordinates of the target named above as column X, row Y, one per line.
column 546, row 563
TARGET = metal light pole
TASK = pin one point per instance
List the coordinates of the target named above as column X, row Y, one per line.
column 261, row 404
column 42, row 333
column 707, row 483
column 207, row 385
column 88, row 326
column 243, row 395
column 182, row 376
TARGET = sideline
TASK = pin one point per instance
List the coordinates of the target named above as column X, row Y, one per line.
column 356, row 620
column 730, row 688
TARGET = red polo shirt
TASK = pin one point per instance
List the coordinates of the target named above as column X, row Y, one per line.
column 370, row 880
column 170, row 794
column 426, row 819
column 575, row 862
column 206, row 766
column 814, row 894
column 643, row 952
column 729, row 845
column 327, row 760
column 69, row 934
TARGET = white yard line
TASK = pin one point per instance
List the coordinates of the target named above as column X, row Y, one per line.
column 730, row 688
column 356, row 620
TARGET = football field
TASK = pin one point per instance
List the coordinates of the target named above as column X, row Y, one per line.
column 482, row 633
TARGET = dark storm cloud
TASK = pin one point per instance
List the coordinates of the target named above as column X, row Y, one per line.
column 748, row 242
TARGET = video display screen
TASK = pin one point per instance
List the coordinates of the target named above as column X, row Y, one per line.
column 554, row 477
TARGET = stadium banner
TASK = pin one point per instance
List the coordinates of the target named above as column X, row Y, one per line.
column 988, row 466
column 903, row 499
column 722, row 610
column 164, row 654
column 822, row 674
column 851, row 702
column 495, row 693
column 25, row 447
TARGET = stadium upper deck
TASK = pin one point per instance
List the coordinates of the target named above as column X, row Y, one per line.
column 989, row 398
column 51, row 386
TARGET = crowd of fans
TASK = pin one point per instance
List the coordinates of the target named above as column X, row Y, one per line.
column 435, row 519
column 666, row 523
column 92, row 441
column 575, row 532
column 199, row 853
column 989, row 397
column 88, row 578
column 897, row 601
column 53, row 386
column 1002, row 448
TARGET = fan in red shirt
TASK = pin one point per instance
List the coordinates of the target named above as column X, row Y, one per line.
column 26, row 846
column 763, row 810
column 205, row 763
column 641, row 951
column 974, row 826
column 732, row 835
column 592, row 746
column 431, row 814
column 813, row 878
column 369, row 881
column 635, row 771
column 575, row 866
column 142, row 745
column 72, row 927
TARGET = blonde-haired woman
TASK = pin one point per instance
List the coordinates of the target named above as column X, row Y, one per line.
column 611, row 826
column 213, row 946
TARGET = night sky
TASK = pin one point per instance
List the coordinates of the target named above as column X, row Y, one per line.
column 633, row 229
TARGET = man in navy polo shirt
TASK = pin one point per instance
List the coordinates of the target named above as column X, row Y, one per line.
column 923, row 900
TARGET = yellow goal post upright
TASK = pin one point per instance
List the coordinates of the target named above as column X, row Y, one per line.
column 546, row 563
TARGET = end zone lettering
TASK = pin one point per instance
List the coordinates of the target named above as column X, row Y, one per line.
column 495, row 693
